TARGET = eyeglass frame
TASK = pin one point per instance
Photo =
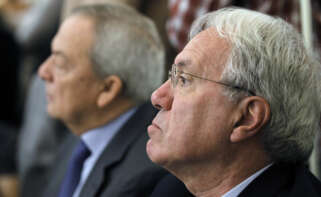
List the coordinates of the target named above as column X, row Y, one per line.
column 174, row 80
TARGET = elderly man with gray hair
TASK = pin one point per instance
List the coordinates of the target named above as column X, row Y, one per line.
column 106, row 60
column 240, row 110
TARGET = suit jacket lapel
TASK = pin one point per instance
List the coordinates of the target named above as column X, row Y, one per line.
column 115, row 151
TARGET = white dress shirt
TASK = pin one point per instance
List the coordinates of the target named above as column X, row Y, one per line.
column 96, row 140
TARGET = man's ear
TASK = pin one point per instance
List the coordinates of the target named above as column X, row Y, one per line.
column 112, row 87
column 254, row 114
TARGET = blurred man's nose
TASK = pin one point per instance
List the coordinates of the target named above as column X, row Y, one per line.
column 44, row 70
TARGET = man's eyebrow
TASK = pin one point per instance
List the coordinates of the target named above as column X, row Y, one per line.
column 55, row 51
column 59, row 53
column 183, row 63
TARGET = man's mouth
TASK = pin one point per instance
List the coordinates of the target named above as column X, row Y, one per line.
column 152, row 129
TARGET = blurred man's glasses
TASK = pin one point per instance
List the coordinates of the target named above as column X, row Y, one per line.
column 174, row 74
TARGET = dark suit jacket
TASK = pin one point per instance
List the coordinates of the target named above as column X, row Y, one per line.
column 284, row 180
column 123, row 169
column 170, row 186
column 280, row 180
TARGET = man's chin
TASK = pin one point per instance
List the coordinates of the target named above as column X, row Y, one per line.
column 155, row 154
column 52, row 113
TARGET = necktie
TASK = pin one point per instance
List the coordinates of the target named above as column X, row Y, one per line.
column 72, row 177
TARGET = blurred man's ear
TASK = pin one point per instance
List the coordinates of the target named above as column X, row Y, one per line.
column 113, row 86
column 254, row 114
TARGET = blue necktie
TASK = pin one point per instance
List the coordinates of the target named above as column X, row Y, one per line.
column 72, row 177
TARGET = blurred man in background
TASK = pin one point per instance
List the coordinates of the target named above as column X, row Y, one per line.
column 105, row 62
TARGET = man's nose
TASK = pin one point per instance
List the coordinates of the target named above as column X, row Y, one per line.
column 162, row 97
column 44, row 70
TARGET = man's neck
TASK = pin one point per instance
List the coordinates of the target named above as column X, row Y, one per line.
column 100, row 117
column 212, row 179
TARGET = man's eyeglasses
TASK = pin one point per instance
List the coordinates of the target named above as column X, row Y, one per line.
column 174, row 74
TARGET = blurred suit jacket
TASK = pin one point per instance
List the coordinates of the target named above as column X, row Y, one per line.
column 123, row 169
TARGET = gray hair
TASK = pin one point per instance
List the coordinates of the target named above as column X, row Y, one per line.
column 268, row 57
column 128, row 45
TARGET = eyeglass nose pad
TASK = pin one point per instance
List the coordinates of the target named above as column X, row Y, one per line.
column 158, row 107
column 170, row 77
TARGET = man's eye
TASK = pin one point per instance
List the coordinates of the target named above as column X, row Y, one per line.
column 58, row 61
column 182, row 81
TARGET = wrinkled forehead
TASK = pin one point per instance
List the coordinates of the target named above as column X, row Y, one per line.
column 206, row 53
